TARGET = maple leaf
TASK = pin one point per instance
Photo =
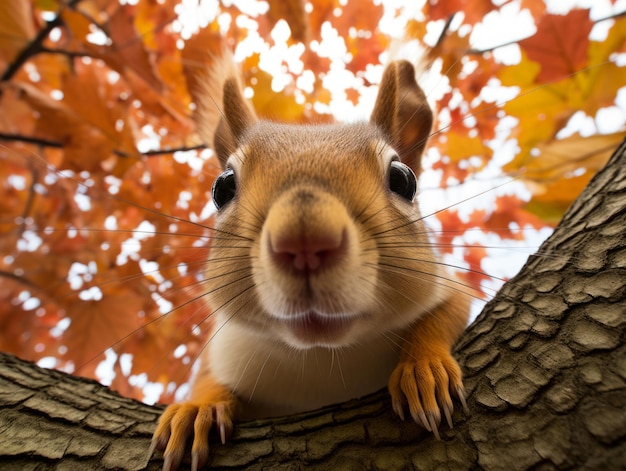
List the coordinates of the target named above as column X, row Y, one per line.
column 96, row 325
column 128, row 51
column 560, row 44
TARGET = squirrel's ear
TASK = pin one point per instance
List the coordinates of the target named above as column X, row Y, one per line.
column 402, row 112
column 237, row 117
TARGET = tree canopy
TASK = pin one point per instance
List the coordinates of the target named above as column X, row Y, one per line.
column 105, row 206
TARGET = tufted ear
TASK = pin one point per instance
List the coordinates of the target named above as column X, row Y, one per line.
column 237, row 117
column 402, row 112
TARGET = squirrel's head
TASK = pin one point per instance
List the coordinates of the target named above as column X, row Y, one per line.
column 319, row 239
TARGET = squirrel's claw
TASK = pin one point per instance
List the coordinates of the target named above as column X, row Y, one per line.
column 460, row 393
column 167, row 463
column 425, row 385
column 177, row 424
column 224, row 421
column 448, row 408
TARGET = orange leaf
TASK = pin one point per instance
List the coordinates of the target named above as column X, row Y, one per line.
column 353, row 95
column 459, row 147
column 17, row 28
column 128, row 49
column 559, row 45
column 78, row 24
column 322, row 11
column 97, row 325
column 83, row 96
column 451, row 51
column 292, row 11
column 537, row 7
column 54, row 121
column 357, row 23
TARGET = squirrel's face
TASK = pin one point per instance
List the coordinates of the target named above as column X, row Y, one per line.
column 319, row 239
column 329, row 244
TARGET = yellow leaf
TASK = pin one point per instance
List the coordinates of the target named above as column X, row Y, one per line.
column 600, row 51
column 603, row 84
column 551, row 200
column 562, row 170
column 596, row 85
column 275, row 106
column 519, row 75
column 460, row 147
column 47, row 5
column 565, row 156
column 541, row 111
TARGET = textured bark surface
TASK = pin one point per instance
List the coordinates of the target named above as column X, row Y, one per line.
column 545, row 368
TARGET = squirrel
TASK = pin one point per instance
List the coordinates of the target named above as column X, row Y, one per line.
column 322, row 280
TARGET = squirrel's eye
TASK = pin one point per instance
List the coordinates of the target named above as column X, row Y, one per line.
column 224, row 188
column 402, row 180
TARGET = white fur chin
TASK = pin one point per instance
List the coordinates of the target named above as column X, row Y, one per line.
column 271, row 378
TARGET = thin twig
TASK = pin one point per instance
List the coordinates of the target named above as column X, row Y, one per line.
column 30, row 140
column 119, row 153
column 479, row 52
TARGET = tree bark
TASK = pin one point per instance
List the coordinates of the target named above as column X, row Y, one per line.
column 544, row 364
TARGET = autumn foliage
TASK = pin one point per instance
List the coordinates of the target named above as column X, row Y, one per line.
column 105, row 206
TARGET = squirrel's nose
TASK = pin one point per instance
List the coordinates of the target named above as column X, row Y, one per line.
column 309, row 250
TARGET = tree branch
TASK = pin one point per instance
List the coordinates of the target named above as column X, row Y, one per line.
column 56, row 144
column 30, row 140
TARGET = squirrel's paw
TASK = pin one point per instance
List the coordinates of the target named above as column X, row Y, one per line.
column 424, row 383
column 180, row 421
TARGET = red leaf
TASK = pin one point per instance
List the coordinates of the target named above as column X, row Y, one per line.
column 474, row 10
column 474, row 255
column 451, row 227
column 510, row 209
